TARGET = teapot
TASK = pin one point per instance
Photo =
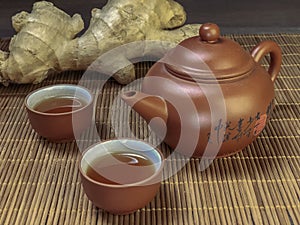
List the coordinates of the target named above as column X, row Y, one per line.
column 208, row 97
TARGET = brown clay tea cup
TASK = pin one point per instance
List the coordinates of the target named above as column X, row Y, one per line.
column 121, row 176
column 60, row 113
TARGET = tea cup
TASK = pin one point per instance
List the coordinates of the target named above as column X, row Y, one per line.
column 129, row 174
column 61, row 112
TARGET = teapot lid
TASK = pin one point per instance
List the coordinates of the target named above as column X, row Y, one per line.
column 208, row 56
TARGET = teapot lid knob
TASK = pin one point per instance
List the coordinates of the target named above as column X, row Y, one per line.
column 209, row 32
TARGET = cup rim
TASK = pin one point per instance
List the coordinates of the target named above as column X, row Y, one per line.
column 144, row 182
column 58, row 114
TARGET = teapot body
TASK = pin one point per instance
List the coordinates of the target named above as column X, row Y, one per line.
column 242, row 107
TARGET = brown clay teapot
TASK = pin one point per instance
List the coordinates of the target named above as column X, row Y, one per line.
column 213, row 97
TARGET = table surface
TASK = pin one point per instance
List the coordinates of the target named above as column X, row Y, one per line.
column 40, row 183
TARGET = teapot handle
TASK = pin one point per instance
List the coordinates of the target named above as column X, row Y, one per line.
column 265, row 48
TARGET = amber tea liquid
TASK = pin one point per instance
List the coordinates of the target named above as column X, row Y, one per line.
column 120, row 168
column 60, row 104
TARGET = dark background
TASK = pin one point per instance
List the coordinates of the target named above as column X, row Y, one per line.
column 233, row 16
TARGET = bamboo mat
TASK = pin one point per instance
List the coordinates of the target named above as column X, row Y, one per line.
column 40, row 183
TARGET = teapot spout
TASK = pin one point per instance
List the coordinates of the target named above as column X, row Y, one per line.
column 148, row 106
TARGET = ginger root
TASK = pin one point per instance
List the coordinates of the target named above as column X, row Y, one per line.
column 46, row 38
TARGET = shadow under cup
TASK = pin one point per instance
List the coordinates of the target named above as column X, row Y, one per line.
column 128, row 174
